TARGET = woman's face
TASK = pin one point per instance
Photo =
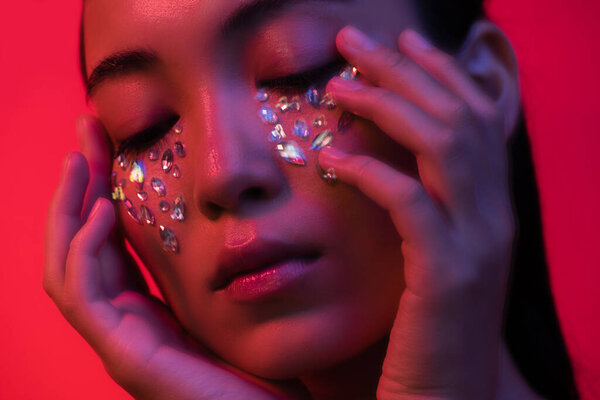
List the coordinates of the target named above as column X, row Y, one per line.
column 199, row 69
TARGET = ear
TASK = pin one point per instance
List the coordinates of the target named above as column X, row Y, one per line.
column 488, row 56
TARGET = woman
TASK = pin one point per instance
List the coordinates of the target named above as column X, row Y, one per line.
column 381, row 276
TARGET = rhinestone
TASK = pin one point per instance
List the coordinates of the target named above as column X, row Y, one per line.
column 312, row 97
column 152, row 154
column 164, row 206
column 176, row 172
column 295, row 104
column 143, row 196
column 118, row 194
column 178, row 149
column 122, row 161
column 131, row 211
column 329, row 176
column 262, row 95
column 323, row 139
column 350, row 73
column 301, row 129
column 345, row 120
column 137, row 172
column 291, row 152
column 277, row 134
column 167, row 160
column 178, row 129
column 178, row 210
column 328, row 102
column 147, row 215
column 320, row 121
column 158, row 186
column 268, row 115
column 168, row 239
column 283, row 105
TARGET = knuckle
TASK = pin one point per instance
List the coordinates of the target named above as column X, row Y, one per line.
column 461, row 112
column 363, row 167
column 394, row 61
column 448, row 145
column 410, row 195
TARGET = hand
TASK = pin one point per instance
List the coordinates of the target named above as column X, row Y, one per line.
column 456, row 222
column 98, row 288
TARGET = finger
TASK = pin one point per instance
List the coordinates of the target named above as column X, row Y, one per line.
column 96, row 148
column 390, row 69
column 414, row 214
column 64, row 220
column 445, row 158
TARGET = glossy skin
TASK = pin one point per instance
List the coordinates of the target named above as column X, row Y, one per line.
column 438, row 245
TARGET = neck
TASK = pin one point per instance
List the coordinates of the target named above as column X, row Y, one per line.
column 355, row 378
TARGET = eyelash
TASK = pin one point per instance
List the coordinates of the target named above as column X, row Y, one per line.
column 298, row 83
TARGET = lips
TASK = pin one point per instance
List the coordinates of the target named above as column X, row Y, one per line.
column 255, row 256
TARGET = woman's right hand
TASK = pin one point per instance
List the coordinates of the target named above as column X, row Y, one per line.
column 100, row 291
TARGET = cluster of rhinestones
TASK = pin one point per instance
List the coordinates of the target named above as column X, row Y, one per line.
column 137, row 174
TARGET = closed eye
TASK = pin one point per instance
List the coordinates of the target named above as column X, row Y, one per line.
column 300, row 82
column 143, row 140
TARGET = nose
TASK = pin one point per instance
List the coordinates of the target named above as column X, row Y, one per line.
column 236, row 168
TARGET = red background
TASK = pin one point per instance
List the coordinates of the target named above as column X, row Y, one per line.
column 40, row 95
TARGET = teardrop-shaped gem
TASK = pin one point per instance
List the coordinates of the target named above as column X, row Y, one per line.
column 313, row 97
column 167, row 160
column 277, row 134
column 291, row 152
column 328, row 102
column 262, row 95
column 268, row 115
column 164, row 206
column 283, row 105
column 143, row 196
column 147, row 215
column 329, row 176
column 345, row 120
column 323, row 139
column 122, row 161
column 350, row 72
column 178, row 129
column 295, row 104
column 132, row 211
column 320, row 121
column 178, row 213
column 169, row 240
column 301, row 129
column 176, row 171
column 153, row 154
column 137, row 172
column 178, row 149
column 118, row 194
column 158, row 186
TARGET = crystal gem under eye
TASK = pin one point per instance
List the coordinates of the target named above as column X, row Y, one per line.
column 178, row 129
column 283, row 105
column 158, row 186
column 277, row 134
column 328, row 102
column 262, row 95
column 152, row 154
column 292, row 153
column 169, row 240
column 164, row 206
column 268, row 115
column 137, row 172
column 178, row 210
column 118, row 194
column 320, row 121
column 122, row 161
column 350, row 73
column 147, row 215
column 301, row 129
column 345, row 120
column 178, row 149
column 132, row 211
column 323, row 139
column 167, row 160
column 295, row 104
column 329, row 176
column 313, row 97
column 176, row 171
column 143, row 196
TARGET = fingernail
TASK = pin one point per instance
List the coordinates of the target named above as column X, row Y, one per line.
column 331, row 154
column 95, row 209
column 66, row 163
column 416, row 41
column 340, row 85
column 355, row 38
column 80, row 126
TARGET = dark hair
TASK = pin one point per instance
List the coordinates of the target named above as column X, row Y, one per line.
column 531, row 328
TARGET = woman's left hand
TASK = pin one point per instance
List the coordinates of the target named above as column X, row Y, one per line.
column 456, row 222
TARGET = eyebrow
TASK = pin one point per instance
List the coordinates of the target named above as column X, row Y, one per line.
column 138, row 60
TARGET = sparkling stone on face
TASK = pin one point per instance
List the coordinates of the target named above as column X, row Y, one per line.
column 167, row 160
column 320, row 121
column 158, row 186
column 283, row 105
column 152, row 154
column 147, row 215
column 345, row 120
column 178, row 210
column 350, row 72
column 178, row 129
column 329, row 176
column 262, row 95
column 143, row 196
column 118, row 194
column 323, row 139
column 132, row 211
column 292, row 153
column 313, row 97
column 178, row 149
column 137, row 172
column 277, row 134
column 176, row 172
column 122, row 161
column 169, row 240
column 328, row 102
column 295, row 104
column 301, row 129
column 268, row 115
column 164, row 206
